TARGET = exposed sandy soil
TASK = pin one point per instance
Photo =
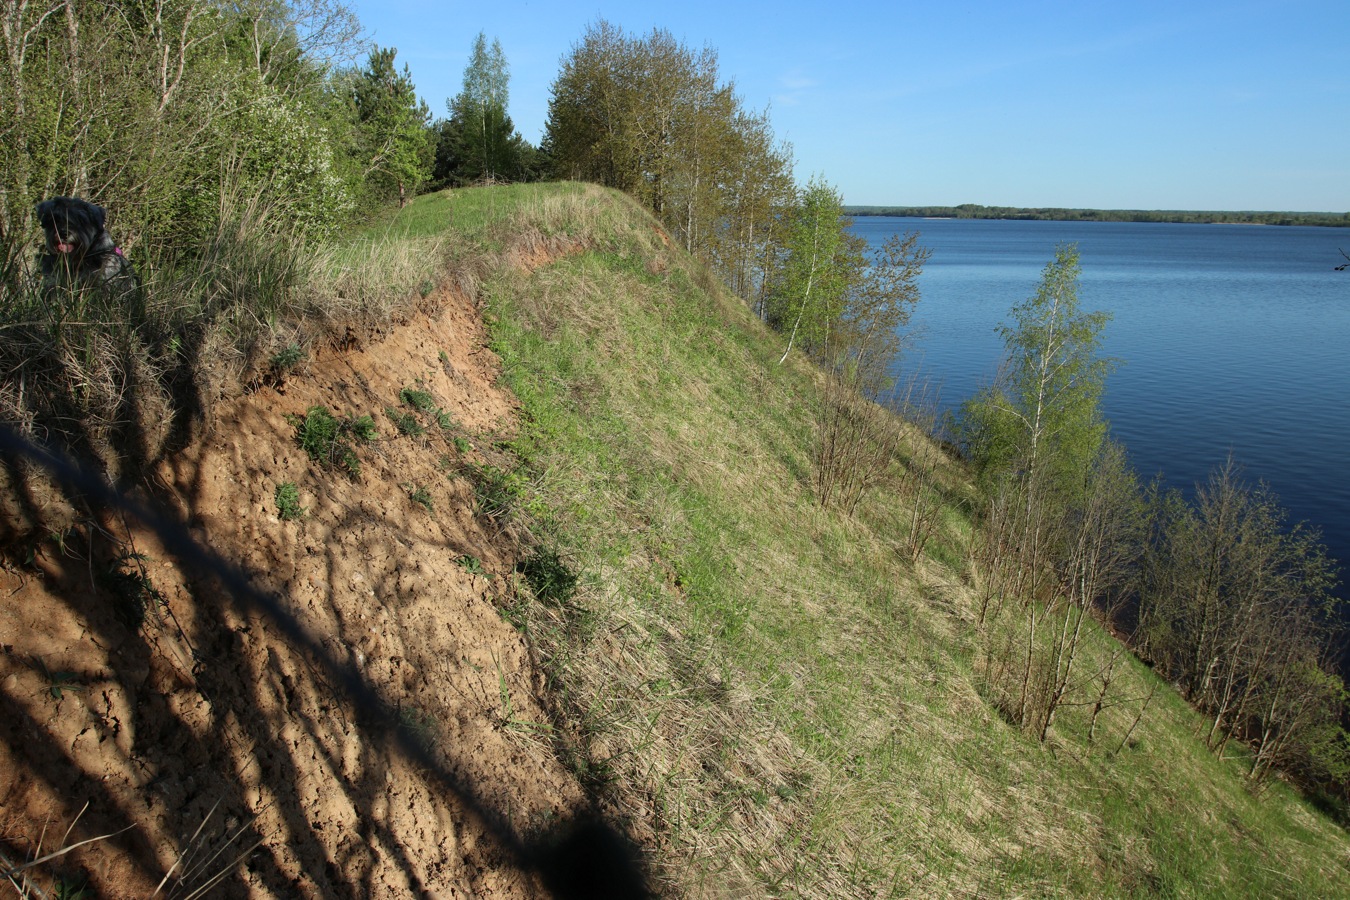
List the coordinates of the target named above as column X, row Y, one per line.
column 207, row 705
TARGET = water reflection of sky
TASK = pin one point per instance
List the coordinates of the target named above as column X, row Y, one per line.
column 1231, row 338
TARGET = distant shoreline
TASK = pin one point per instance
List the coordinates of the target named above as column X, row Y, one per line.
column 1205, row 217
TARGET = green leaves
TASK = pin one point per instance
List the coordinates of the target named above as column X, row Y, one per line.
column 809, row 297
column 651, row 117
column 1042, row 419
column 479, row 141
column 327, row 438
column 397, row 144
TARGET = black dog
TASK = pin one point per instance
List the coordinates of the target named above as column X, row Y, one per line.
column 79, row 249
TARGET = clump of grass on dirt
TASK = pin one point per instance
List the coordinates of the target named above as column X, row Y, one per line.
column 422, row 497
column 422, row 402
column 132, row 591
column 786, row 695
column 328, row 438
column 551, row 579
column 288, row 501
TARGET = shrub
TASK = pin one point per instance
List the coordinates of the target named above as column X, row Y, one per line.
column 406, row 423
column 287, row 358
column 418, row 399
column 363, row 428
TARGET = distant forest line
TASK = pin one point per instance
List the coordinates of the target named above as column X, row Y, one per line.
column 976, row 211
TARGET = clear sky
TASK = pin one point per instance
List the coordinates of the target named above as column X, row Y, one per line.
column 1123, row 105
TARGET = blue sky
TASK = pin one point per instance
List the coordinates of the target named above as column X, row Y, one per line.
column 1143, row 105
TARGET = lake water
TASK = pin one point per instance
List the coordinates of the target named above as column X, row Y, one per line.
column 1231, row 338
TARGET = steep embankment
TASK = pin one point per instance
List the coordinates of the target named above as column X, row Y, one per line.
column 205, row 711
column 772, row 698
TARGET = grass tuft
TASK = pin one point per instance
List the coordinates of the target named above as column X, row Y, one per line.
column 288, row 502
column 552, row 580
column 327, row 438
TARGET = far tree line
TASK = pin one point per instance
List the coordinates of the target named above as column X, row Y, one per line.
column 1062, row 214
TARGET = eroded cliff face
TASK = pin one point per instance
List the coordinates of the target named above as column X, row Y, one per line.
column 207, row 715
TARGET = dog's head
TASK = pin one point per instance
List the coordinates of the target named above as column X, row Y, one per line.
column 73, row 226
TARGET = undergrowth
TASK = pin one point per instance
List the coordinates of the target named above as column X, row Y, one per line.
column 119, row 380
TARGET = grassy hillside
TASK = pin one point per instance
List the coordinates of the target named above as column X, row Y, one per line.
column 776, row 700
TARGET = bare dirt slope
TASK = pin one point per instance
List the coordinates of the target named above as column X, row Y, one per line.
column 208, row 706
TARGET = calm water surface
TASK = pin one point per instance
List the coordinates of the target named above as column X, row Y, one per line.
column 1231, row 338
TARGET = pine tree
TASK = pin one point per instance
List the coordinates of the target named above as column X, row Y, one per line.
column 397, row 147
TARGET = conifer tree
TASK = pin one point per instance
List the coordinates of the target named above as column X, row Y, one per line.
column 397, row 148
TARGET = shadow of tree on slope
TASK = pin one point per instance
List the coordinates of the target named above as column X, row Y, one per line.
column 190, row 698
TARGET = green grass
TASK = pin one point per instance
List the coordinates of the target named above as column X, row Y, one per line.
column 288, row 501
column 422, row 497
column 327, row 438
column 405, row 423
column 772, row 688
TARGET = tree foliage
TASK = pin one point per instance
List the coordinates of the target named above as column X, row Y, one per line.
column 1042, row 420
column 847, row 309
column 176, row 114
column 1061, row 520
column 808, row 296
column 652, row 117
column 1239, row 611
column 394, row 141
column 478, row 142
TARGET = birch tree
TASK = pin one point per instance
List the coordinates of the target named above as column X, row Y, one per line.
column 1043, row 416
column 809, row 296
column 479, row 119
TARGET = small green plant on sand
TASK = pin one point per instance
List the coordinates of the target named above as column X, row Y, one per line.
column 133, row 592
column 287, row 358
column 288, row 501
column 406, row 423
column 327, row 438
column 419, row 725
column 474, row 566
column 57, row 682
column 422, row 497
column 418, row 399
column 363, row 428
